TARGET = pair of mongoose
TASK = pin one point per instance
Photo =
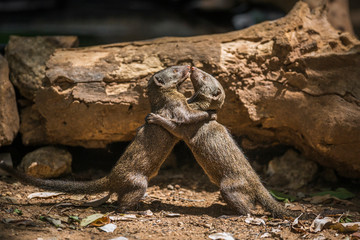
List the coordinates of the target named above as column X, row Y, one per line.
column 210, row 142
column 218, row 154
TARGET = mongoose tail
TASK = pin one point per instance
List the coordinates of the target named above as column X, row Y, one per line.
column 77, row 187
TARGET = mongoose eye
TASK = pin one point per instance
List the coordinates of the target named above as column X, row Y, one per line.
column 217, row 93
column 175, row 70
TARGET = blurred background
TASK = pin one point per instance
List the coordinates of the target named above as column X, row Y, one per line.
column 110, row 21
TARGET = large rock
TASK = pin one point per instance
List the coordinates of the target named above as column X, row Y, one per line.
column 284, row 171
column 9, row 116
column 32, row 127
column 293, row 81
column 27, row 57
column 46, row 162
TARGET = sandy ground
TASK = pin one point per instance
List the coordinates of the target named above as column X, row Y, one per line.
column 180, row 204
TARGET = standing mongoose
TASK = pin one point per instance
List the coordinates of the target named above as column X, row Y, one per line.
column 144, row 156
column 222, row 160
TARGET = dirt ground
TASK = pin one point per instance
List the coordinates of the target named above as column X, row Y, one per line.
column 183, row 204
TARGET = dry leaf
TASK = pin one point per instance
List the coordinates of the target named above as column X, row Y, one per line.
column 24, row 222
column 345, row 227
column 297, row 226
column 89, row 219
column 355, row 236
column 96, row 202
column 254, row 221
column 101, row 221
column 296, row 207
column 146, row 213
column 277, row 222
column 319, row 223
column 125, row 217
column 108, row 227
column 324, row 223
column 266, row 235
column 53, row 221
column 44, row 194
column 172, row 214
column 223, row 235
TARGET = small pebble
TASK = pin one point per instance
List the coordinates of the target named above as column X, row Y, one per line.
column 207, row 225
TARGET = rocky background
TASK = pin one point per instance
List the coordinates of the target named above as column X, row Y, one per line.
column 292, row 84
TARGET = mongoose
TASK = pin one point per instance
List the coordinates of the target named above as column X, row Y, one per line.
column 222, row 160
column 144, row 156
column 209, row 94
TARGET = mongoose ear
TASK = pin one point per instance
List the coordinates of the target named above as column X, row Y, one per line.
column 159, row 81
column 216, row 95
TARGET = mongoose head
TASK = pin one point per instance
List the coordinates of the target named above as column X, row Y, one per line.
column 208, row 91
column 170, row 78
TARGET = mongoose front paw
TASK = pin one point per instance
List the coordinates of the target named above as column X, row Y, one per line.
column 212, row 115
column 148, row 117
column 151, row 118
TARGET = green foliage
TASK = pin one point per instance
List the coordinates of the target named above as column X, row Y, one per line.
column 340, row 193
column 74, row 219
column 18, row 211
column 282, row 196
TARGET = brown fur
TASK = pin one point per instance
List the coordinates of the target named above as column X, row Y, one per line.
column 142, row 159
column 224, row 163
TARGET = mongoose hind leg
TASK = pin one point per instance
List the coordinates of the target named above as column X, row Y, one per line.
column 235, row 195
column 241, row 196
column 131, row 194
column 276, row 209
